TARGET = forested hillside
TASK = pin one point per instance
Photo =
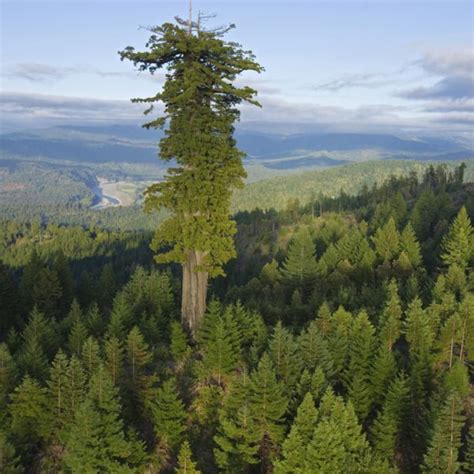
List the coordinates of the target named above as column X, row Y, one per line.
column 340, row 340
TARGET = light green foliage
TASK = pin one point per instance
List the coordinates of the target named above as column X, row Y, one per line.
column 185, row 462
column 179, row 346
column 90, row 355
column 114, row 358
column 301, row 433
column 359, row 373
column 387, row 241
column 236, row 439
column 418, row 330
column 386, row 428
column 97, row 441
column 442, row 455
column 300, row 267
column 458, row 245
column 282, row 349
column 168, row 415
column 269, row 405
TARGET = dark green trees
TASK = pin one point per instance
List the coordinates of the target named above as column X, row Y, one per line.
column 200, row 102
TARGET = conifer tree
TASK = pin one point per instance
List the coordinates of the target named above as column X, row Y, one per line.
column 236, row 439
column 386, row 429
column 120, row 317
column 90, row 356
column 97, row 441
column 283, row 352
column 458, row 244
column 387, row 241
column 47, row 292
column 301, row 434
column 314, row 349
column 77, row 337
column 185, row 462
column 443, row 451
column 268, row 405
column 410, row 246
column 169, row 416
column 30, row 416
column 9, row 462
column 179, row 346
column 75, row 388
column 300, row 267
column 66, row 281
column 57, row 392
column 358, row 375
column 200, row 102
column 8, row 376
column 338, row 340
column 114, row 357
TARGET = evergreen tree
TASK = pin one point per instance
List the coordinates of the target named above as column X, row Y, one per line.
column 458, row 244
column 300, row 267
column 114, row 357
column 47, row 292
column 236, row 439
column 443, row 452
column 268, row 406
column 314, row 349
column 120, row 317
column 185, row 462
column 77, row 337
column 200, row 108
column 358, row 375
column 74, row 388
column 57, row 392
column 387, row 425
column 9, row 462
column 282, row 349
column 66, row 281
column 169, row 416
column 8, row 376
column 30, row 417
column 301, row 434
column 90, row 356
column 97, row 441
column 387, row 241
column 410, row 246
column 179, row 346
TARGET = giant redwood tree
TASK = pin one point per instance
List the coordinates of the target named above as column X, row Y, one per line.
column 200, row 101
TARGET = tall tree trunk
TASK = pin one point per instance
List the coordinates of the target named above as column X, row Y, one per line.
column 194, row 292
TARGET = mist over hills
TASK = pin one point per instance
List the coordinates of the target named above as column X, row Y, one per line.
column 133, row 144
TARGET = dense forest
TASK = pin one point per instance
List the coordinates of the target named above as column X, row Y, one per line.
column 340, row 340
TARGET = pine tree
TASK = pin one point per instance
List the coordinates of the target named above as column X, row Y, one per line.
column 90, row 356
column 185, row 462
column 114, row 357
column 8, row 377
column 120, row 317
column 386, row 429
column 57, row 392
column 97, row 441
column 282, row 349
column 179, row 346
column 410, row 246
column 443, row 452
column 137, row 381
column 358, row 375
column 9, row 462
column 236, row 439
column 30, row 417
column 74, row 388
column 301, row 434
column 77, row 337
column 338, row 340
column 458, row 244
column 300, row 267
column 200, row 108
column 387, row 241
column 268, row 406
column 169, row 416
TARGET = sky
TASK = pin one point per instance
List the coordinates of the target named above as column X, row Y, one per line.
column 402, row 66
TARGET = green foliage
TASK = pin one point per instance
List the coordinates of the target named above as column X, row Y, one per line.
column 198, row 190
column 97, row 440
column 458, row 244
column 185, row 462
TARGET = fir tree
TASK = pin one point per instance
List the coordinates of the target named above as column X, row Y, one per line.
column 458, row 244
column 387, row 241
column 8, row 376
column 410, row 246
column 185, row 462
column 386, row 429
column 9, row 462
column 236, row 440
column 301, row 434
column 443, row 452
column 97, row 441
column 74, row 388
column 179, row 346
column 300, row 268
column 77, row 337
column 268, row 405
column 114, row 358
column 169, row 416
column 200, row 108
column 90, row 356
column 57, row 391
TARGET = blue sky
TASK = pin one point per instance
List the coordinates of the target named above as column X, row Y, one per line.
column 335, row 65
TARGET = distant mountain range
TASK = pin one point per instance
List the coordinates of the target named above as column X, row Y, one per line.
column 120, row 143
